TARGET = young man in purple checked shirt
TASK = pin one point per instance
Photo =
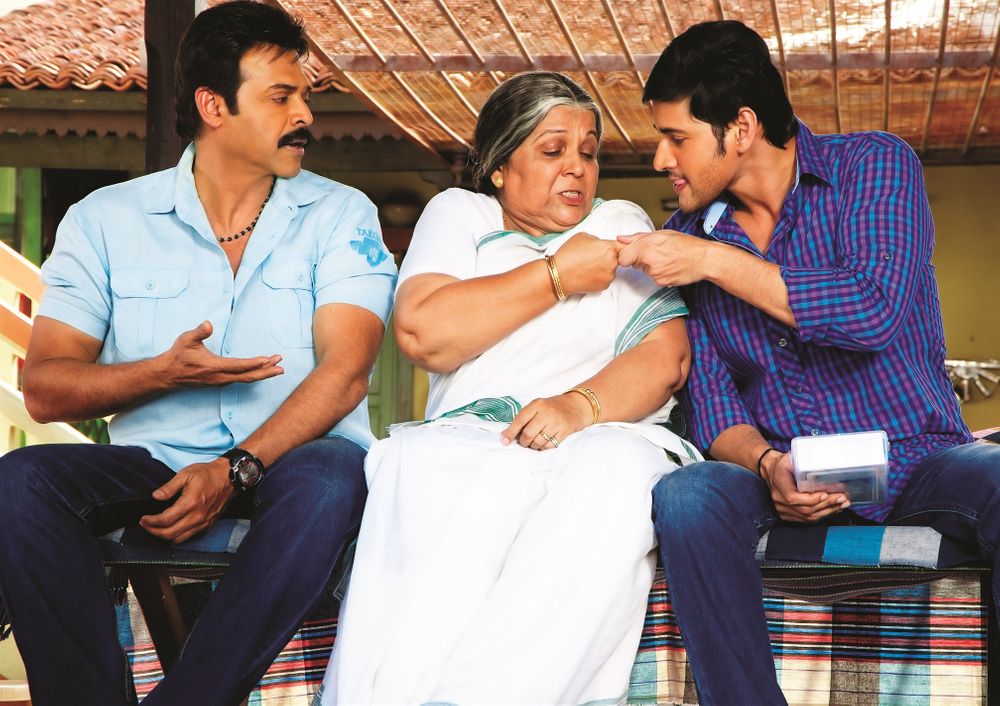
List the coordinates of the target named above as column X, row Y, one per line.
column 806, row 263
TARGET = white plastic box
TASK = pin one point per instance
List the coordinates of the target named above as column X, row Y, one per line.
column 855, row 464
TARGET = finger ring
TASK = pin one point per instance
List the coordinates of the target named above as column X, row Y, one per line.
column 550, row 439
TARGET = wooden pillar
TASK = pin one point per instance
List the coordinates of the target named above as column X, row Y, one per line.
column 166, row 21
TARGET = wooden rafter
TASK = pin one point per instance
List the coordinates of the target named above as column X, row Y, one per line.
column 983, row 92
column 598, row 94
column 832, row 5
column 343, row 75
column 513, row 32
column 937, row 76
column 616, row 25
column 781, row 47
column 666, row 20
column 408, row 31
column 457, row 28
column 886, row 73
column 399, row 80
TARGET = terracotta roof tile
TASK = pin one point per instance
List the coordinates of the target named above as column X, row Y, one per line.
column 84, row 44
column 89, row 44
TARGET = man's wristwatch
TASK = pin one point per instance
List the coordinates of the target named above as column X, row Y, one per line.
column 245, row 469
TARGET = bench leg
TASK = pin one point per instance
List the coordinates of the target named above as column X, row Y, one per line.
column 159, row 607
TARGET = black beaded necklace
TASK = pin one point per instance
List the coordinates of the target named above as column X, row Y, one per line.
column 249, row 229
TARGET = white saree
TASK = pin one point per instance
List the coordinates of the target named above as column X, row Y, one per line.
column 492, row 574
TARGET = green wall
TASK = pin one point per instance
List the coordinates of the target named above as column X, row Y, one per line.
column 964, row 201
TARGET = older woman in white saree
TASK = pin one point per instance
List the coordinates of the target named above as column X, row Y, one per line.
column 506, row 550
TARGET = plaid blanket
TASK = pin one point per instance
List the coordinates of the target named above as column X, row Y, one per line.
column 918, row 645
column 850, row 626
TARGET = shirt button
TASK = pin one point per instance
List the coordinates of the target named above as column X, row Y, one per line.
column 782, row 342
column 814, row 432
column 798, row 388
column 229, row 349
column 149, row 284
column 225, row 289
column 886, row 255
column 300, row 276
column 229, row 415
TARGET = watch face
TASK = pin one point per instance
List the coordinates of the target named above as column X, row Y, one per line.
column 246, row 472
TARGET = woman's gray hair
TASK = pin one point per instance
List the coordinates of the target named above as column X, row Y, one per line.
column 513, row 111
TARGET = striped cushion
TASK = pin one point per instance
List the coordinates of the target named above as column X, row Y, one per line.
column 920, row 645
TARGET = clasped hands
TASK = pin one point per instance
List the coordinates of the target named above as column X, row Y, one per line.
column 588, row 264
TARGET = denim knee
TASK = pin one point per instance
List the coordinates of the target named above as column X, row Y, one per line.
column 696, row 498
column 326, row 474
column 20, row 470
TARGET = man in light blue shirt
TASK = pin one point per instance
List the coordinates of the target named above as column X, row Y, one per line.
column 228, row 312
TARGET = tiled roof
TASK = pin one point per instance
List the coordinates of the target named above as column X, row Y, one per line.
column 88, row 44
column 924, row 69
column 927, row 70
column 73, row 44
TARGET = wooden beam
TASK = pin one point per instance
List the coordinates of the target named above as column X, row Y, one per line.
column 666, row 20
column 781, row 48
column 616, row 25
column 514, row 34
column 72, row 152
column 510, row 63
column 457, row 28
column 70, row 99
column 370, row 155
column 937, row 77
column 886, row 77
column 981, row 101
column 166, row 21
column 831, row 4
column 598, row 94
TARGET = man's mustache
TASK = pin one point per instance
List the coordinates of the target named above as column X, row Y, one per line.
column 301, row 135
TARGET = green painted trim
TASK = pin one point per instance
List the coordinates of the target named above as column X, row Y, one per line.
column 665, row 304
column 492, row 409
column 28, row 225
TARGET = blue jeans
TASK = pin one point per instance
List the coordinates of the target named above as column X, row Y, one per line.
column 709, row 517
column 53, row 498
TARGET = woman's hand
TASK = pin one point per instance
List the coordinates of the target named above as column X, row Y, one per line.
column 587, row 264
column 547, row 421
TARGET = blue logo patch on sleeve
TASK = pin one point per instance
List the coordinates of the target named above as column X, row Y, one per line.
column 370, row 246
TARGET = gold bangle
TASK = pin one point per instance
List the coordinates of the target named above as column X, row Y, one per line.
column 550, row 262
column 595, row 403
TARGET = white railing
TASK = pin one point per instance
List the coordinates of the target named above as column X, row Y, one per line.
column 20, row 278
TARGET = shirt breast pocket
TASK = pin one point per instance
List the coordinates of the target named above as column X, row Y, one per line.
column 149, row 310
column 290, row 301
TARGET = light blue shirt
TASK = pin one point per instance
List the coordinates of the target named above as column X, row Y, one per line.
column 137, row 264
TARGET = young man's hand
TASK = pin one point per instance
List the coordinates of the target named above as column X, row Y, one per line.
column 670, row 258
column 793, row 506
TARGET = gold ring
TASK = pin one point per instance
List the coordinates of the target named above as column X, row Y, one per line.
column 550, row 439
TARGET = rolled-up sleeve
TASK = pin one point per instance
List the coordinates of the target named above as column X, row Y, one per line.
column 76, row 279
column 356, row 268
column 886, row 238
column 710, row 400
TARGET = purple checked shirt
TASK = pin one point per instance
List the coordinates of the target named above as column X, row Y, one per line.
column 854, row 242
